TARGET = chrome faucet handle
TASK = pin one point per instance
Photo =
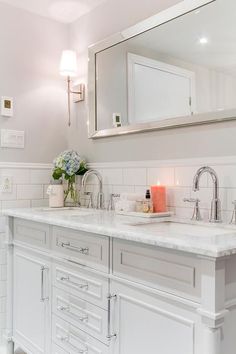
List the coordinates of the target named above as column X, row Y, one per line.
column 111, row 205
column 233, row 219
column 196, row 211
column 90, row 202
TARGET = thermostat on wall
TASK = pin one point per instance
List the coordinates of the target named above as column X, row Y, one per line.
column 116, row 117
column 7, row 106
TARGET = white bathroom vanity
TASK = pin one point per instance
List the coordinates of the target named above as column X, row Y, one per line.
column 91, row 282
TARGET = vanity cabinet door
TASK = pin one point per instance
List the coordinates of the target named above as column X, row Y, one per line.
column 143, row 323
column 31, row 303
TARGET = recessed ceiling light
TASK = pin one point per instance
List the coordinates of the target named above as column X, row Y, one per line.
column 203, row 40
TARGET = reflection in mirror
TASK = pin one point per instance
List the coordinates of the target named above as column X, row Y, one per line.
column 185, row 67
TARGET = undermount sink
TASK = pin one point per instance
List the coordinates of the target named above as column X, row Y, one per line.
column 69, row 211
column 177, row 227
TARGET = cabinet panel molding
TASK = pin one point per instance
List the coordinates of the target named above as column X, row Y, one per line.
column 175, row 273
column 32, row 233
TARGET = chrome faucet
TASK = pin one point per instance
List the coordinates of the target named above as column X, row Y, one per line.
column 100, row 197
column 216, row 203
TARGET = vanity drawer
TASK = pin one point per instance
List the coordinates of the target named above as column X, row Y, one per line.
column 82, row 247
column 75, row 341
column 80, row 313
column 82, row 283
column 32, row 233
column 165, row 270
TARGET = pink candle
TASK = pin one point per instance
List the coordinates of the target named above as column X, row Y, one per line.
column 158, row 198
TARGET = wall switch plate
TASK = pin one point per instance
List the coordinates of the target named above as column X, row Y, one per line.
column 12, row 139
column 6, row 184
column 6, row 106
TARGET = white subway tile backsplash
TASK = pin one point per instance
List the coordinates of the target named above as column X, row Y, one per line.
column 9, row 196
column 19, row 176
column 141, row 190
column 135, row 176
column 37, row 203
column 184, row 177
column 122, row 189
column 29, row 191
column 185, row 213
column 231, row 196
column 175, row 196
column 15, row 204
column 45, row 189
column 40, row 176
column 164, row 176
column 226, row 175
column 112, row 176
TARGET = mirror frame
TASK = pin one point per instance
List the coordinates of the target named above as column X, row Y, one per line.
column 165, row 16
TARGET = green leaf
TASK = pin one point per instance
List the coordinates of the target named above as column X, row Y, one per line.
column 57, row 173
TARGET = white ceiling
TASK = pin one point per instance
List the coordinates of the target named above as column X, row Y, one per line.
column 65, row 11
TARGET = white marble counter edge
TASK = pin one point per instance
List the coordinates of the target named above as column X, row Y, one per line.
column 129, row 235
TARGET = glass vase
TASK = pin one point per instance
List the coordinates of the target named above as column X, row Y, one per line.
column 71, row 194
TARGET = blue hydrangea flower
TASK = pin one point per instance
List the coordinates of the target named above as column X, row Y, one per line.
column 69, row 161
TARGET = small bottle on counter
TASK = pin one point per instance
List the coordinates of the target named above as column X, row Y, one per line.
column 145, row 206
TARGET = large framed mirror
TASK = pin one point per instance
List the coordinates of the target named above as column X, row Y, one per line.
column 175, row 69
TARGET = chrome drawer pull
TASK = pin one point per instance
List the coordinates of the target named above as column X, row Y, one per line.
column 42, row 297
column 67, row 279
column 83, row 250
column 109, row 334
column 67, row 309
column 67, row 339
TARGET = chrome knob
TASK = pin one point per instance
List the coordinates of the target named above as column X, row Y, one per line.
column 196, row 211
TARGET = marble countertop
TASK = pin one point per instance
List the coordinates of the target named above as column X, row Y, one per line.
column 214, row 240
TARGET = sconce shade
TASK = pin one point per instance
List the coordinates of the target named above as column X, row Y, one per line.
column 68, row 65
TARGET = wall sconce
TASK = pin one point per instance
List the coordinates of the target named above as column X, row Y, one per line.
column 68, row 68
